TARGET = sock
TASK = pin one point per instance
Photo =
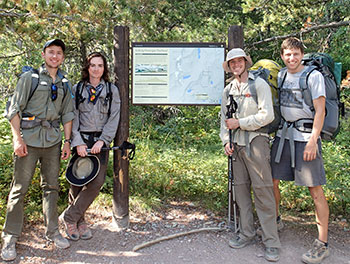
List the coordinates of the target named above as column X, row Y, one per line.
column 325, row 243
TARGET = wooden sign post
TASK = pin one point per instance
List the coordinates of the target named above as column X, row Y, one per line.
column 121, row 165
column 235, row 37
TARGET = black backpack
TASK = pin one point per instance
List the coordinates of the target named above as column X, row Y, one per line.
column 79, row 98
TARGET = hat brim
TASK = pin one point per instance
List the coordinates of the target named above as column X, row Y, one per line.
column 56, row 42
column 76, row 181
column 249, row 63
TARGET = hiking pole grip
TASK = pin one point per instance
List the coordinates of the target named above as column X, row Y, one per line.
column 124, row 146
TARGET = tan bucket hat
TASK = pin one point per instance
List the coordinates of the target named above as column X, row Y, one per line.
column 236, row 53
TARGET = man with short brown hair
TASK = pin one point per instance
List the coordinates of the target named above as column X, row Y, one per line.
column 35, row 120
column 296, row 155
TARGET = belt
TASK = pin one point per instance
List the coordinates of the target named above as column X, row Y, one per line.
column 40, row 122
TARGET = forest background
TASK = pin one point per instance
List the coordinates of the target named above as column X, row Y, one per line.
column 179, row 154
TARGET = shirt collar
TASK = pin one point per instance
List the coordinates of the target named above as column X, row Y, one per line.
column 43, row 70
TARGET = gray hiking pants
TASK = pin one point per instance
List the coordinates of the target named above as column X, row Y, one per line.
column 254, row 173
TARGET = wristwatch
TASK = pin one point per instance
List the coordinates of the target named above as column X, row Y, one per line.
column 68, row 140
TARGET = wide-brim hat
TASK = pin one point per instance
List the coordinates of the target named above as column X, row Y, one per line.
column 82, row 170
column 236, row 53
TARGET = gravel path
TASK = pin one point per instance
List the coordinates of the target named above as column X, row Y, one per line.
column 109, row 246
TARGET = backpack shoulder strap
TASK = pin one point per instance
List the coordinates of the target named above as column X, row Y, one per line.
column 78, row 94
column 304, row 86
column 281, row 77
column 110, row 97
column 65, row 82
column 251, row 82
column 35, row 82
column 252, row 89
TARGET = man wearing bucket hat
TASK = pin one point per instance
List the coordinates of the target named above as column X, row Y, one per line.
column 35, row 123
column 97, row 111
column 250, row 150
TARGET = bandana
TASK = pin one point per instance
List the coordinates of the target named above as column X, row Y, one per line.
column 94, row 93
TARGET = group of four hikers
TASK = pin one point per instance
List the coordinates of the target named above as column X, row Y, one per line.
column 92, row 123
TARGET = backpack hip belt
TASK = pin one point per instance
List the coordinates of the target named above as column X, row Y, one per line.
column 40, row 122
column 303, row 125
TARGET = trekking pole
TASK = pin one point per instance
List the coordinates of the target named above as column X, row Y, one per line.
column 124, row 146
column 232, row 205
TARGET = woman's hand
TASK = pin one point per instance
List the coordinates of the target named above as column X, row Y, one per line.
column 81, row 149
column 96, row 148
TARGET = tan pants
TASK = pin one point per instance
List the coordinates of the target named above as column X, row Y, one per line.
column 254, row 173
column 24, row 169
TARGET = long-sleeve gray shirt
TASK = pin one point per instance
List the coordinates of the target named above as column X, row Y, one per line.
column 91, row 117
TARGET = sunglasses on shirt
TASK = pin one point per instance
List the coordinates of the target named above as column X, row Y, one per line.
column 53, row 92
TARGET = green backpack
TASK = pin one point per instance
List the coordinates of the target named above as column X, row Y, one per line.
column 268, row 70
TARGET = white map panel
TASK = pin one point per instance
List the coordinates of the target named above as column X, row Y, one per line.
column 188, row 74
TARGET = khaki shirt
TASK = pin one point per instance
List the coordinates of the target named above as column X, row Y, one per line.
column 42, row 107
column 251, row 115
column 94, row 118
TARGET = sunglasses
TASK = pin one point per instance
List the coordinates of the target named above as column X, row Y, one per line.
column 53, row 92
column 93, row 94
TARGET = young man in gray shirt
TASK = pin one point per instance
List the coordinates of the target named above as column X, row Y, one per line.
column 296, row 155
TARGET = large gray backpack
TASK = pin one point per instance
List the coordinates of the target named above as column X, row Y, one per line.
column 325, row 65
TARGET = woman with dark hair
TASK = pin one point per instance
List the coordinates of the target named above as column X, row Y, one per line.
column 97, row 110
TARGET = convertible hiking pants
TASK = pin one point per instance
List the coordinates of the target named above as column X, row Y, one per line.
column 254, row 172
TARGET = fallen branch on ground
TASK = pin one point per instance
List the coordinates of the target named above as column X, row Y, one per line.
column 160, row 239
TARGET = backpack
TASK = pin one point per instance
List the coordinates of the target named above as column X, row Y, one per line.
column 79, row 98
column 35, row 83
column 268, row 71
column 323, row 63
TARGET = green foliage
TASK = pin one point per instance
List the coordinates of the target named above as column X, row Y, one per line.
column 181, row 173
column 179, row 155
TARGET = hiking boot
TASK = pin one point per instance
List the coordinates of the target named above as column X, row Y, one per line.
column 70, row 228
column 84, row 231
column 317, row 253
column 60, row 241
column 240, row 241
column 272, row 254
column 8, row 251
column 280, row 226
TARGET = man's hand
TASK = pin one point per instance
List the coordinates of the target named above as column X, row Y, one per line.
column 310, row 151
column 66, row 151
column 81, row 149
column 96, row 148
column 232, row 123
column 228, row 150
column 20, row 148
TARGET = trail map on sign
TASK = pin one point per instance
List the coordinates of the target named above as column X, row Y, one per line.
column 178, row 74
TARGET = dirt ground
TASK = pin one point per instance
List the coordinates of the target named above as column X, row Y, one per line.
column 109, row 246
